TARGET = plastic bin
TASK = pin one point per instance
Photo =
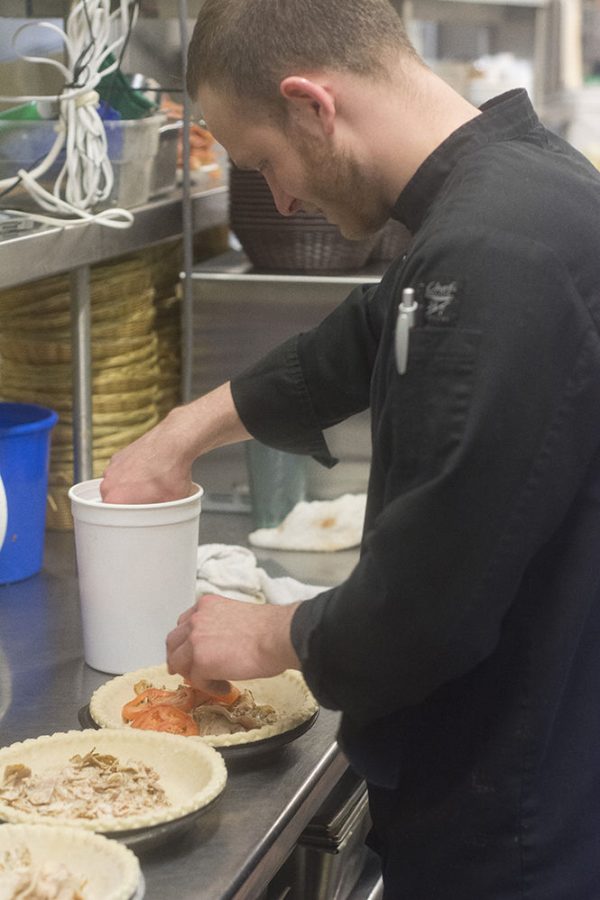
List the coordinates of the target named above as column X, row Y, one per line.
column 132, row 148
column 164, row 171
column 25, row 431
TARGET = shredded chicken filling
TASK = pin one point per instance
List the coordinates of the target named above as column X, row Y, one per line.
column 241, row 715
column 88, row 787
column 20, row 879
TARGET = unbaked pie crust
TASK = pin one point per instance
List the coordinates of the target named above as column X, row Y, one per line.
column 192, row 774
column 287, row 693
column 109, row 870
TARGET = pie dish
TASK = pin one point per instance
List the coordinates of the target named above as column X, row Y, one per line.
column 191, row 774
column 107, row 869
column 287, row 693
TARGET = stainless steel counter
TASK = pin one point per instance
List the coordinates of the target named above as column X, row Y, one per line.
column 235, row 849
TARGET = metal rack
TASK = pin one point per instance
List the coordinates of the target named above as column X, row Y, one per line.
column 73, row 250
column 542, row 17
column 50, row 251
column 239, row 314
column 55, row 250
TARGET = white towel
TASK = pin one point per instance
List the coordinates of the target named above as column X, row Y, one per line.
column 232, row 571
column 318, row 525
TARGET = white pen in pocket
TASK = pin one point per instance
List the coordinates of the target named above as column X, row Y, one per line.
column 407, row 310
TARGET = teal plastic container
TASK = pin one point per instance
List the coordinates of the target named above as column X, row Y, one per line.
column 25, row 435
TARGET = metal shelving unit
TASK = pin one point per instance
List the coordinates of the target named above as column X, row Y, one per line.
column 240, row 313
column 534, row 3
column 72, row 250
column 540, row 17
column 52, row 251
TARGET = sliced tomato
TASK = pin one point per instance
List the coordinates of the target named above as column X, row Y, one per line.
column 144, row 701
column 183, row 698
column 165, row 718
column 226, row 697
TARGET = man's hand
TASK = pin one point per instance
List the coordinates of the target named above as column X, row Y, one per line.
column 150, row 470
column 222, row 639
column 157, row 467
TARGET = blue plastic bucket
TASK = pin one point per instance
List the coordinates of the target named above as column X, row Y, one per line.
column 25, row 432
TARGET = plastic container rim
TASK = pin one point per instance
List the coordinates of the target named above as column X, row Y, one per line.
column 46, row 419
column 75, row 498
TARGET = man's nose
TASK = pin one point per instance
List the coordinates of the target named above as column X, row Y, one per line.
column 286, row 204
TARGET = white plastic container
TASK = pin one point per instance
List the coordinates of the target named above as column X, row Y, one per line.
column 132, row 148
column 137, row 573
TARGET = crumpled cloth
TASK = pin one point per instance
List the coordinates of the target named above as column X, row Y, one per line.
column 317, row 525
column 233, row 571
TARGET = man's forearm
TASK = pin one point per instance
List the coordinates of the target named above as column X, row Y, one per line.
column 209, row 422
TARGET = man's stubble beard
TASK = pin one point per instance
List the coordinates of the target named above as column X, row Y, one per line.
column 337, row 185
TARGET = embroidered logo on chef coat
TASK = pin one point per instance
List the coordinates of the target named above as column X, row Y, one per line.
column 440, row 302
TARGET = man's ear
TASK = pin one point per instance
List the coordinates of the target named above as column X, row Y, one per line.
column 312, row 102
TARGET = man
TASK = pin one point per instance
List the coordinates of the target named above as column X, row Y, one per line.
column 464, row 649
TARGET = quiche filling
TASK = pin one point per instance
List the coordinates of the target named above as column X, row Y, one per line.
column 20, row 879
column 88, row 787
column 191, row 711
column 242, row 715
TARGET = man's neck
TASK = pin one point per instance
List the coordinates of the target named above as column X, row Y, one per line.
column 414, row 113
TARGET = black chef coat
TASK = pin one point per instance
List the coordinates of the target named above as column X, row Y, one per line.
column 464, row 648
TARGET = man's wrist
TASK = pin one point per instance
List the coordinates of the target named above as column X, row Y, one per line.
column 275, row 643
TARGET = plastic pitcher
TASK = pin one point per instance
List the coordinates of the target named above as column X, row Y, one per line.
column 277, row 483
column 25, row 434
column 137, row 572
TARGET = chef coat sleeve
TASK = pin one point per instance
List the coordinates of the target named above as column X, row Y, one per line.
column 486, row 440
column 313, row 380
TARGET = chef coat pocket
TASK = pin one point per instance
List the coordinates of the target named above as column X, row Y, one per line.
column 430, row 401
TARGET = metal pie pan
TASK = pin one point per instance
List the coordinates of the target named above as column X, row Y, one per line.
column 193, row 775
column 154, row 835
column 287, row 694
column 236, row 751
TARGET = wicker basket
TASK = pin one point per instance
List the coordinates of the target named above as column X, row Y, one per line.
column 124, row 401
column 58, row 377
column 37, row 349
column 136, row 359
column 36, row 365
column 302, row 243
column 120, row 417
column 138, row 324
column 114, row 291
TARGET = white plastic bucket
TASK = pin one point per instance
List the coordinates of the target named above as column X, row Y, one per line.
column 137, row 573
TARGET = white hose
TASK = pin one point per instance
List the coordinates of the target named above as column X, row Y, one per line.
column 86, row 176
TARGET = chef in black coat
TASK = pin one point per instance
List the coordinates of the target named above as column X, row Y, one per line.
column 464, row 648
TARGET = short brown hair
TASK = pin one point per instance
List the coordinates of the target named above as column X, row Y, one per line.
column 246, row 47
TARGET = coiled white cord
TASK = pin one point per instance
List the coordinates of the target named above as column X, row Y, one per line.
column 86, row 176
